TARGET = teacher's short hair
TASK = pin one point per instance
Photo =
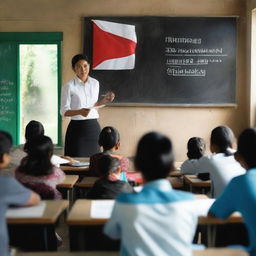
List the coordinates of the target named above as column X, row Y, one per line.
column 77, row 58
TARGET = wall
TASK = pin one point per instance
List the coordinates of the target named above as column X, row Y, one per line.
column 132, row 122
column 251, row 58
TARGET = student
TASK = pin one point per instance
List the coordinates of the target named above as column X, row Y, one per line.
column 36, row 170
column 109, row 140
column 221, row 165
column 33, row 129
column 110, row 185
column 240, row 193
column 196, row 149
column 11, row 192
column 153, row 221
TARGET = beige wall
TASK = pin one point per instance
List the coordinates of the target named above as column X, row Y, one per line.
column 132, row 122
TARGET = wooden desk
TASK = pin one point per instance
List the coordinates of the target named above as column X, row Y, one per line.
column 87, row 182
column 194, row 182
column 175, row 173
column 81, row 171
column 96, row 253
column 80, row 216
column 176, row 182
column 213, row 223
column 220, row 252
column 86, row 232
column 207, row 252
column 66, row 187
column 37, row 233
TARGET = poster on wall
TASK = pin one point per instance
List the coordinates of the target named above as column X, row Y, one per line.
column 164, row 60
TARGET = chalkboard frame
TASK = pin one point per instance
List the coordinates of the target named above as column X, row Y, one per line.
column 88, row 50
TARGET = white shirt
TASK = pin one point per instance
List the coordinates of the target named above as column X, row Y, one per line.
column 156, row 221
column 76, row 95
column 221, row 168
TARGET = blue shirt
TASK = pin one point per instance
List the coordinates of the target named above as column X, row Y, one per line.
column 155, row 221
column 11, row 193
column 240, row 195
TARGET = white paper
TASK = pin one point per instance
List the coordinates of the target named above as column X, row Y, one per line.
column 26, row 212
column 200, row 207
column 80, row 164
column 56, row 160
column 101, row 209
column 97, row 107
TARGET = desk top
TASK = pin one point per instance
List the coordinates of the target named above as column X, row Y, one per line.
column 220, row 251
column 234, row 218
column 175, row 173
column 69, row 181
column 195, row 182
column 51, row 213
column 87, row 182
column 177, row 182
column 207, row 252
column 102, row 253
column 80, row 213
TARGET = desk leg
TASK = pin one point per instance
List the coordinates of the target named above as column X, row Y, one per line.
column 211, row 235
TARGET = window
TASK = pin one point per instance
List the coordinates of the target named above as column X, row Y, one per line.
column 34, row 86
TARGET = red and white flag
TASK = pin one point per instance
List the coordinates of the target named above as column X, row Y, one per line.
column 114, row 45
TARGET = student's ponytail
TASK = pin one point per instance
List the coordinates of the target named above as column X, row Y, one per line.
column 223, row 137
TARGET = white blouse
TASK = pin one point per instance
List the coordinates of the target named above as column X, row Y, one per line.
column 76, row 95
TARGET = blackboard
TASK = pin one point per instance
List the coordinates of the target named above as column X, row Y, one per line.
column 8, row 88
column 179, row 61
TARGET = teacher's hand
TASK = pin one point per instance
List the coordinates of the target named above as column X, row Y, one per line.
column 84, row 112
column 109, row 97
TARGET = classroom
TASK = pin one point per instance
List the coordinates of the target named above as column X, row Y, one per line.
column 63, row 21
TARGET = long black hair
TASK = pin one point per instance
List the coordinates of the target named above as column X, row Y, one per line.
column 223, row 137
column 33, row 130
column 38, row 159
column 154, row 156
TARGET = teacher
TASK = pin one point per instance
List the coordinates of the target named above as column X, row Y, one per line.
column 79, row 100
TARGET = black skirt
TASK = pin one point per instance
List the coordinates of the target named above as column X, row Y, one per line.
column 82, row 138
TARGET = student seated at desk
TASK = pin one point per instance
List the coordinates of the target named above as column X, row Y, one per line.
column 33, row 129
column 154, row 221
column 196, row 149
column 240, row 193
column 110, row 185
column 36, row 170
column 109, row 140
column 11, row 192
column 221, row 165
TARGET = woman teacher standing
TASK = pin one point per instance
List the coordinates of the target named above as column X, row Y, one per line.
column 78, row 98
